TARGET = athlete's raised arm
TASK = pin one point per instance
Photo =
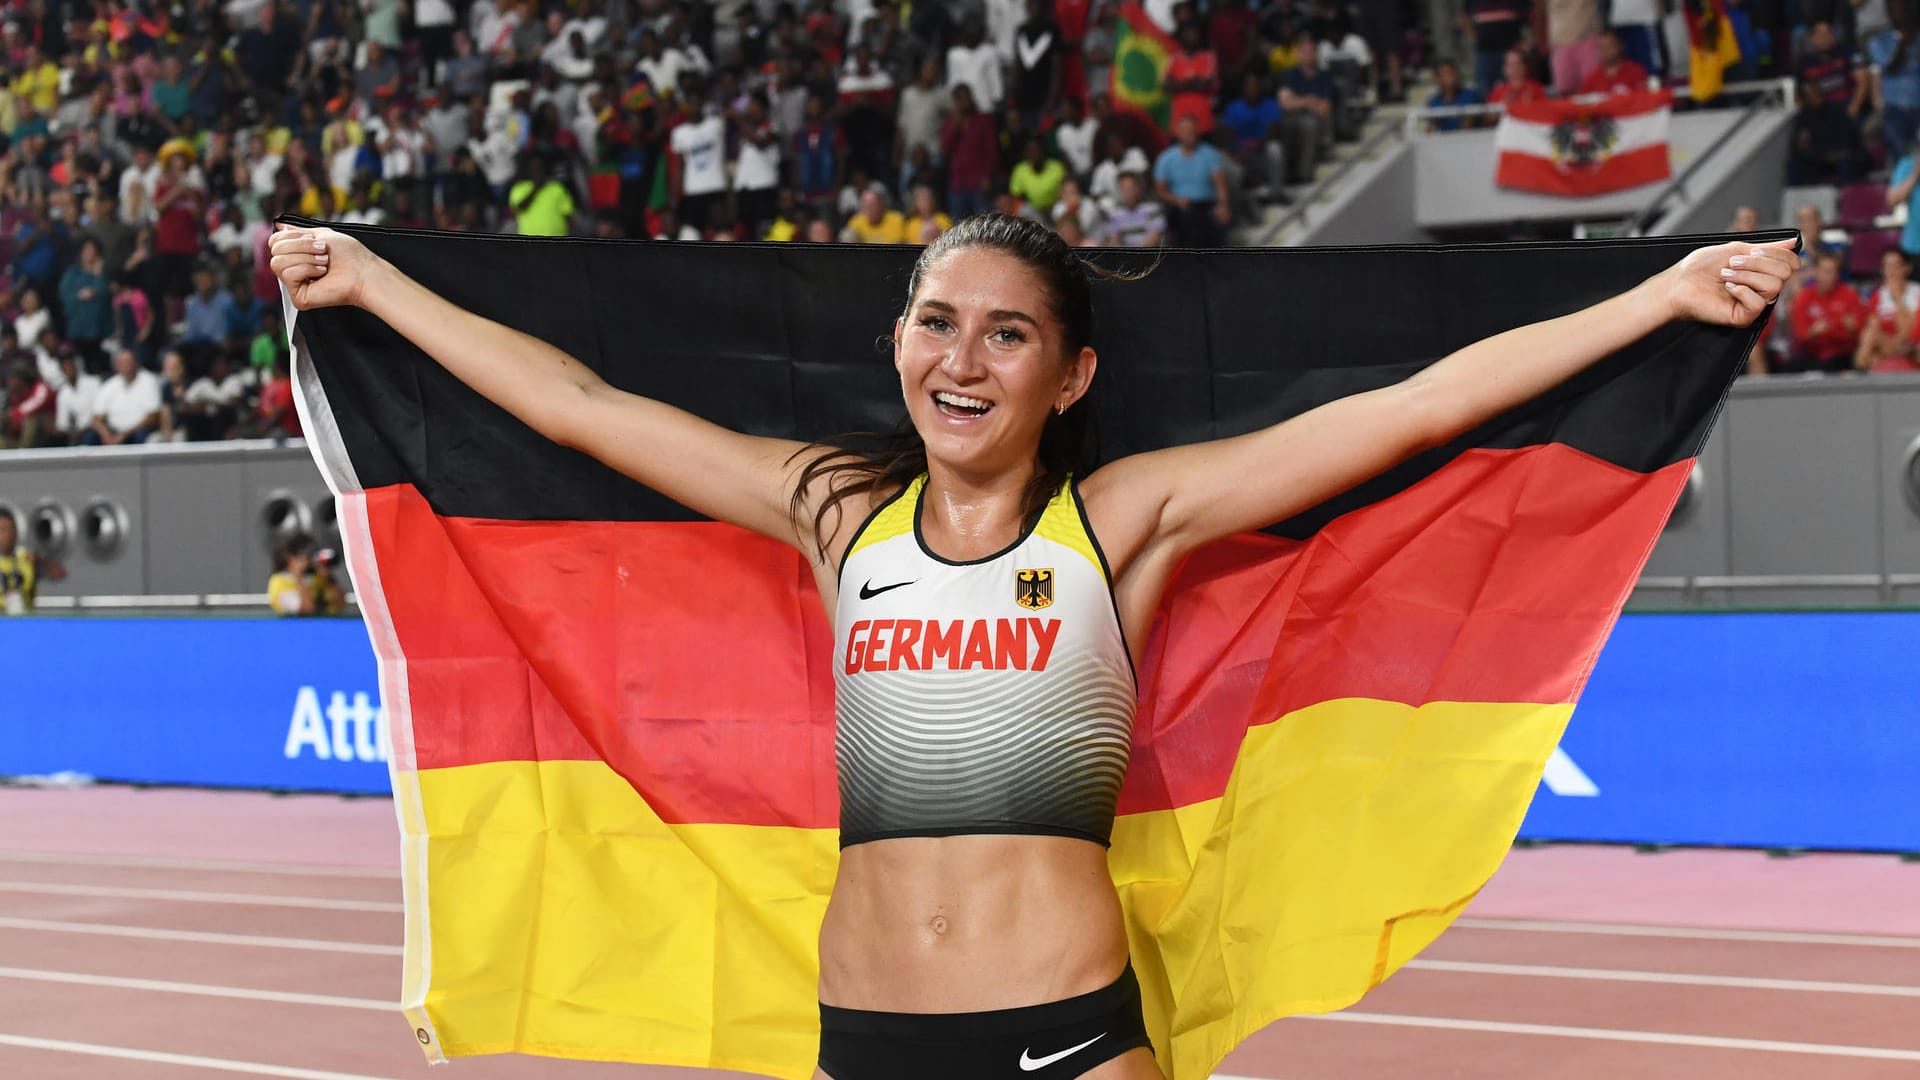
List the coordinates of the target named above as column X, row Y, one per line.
column 1151, row 509
column 742, row 479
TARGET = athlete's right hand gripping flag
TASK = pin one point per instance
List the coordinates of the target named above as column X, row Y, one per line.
column 612, row 724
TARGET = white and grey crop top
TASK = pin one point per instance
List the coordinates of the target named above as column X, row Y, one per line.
column 992, row 696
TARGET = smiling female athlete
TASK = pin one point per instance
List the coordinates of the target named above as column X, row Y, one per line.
column 985, row 693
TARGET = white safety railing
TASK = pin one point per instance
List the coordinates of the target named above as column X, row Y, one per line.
column 1734, row 94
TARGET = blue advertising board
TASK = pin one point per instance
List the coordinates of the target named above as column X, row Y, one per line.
column 266, row 703
column 1773, row 730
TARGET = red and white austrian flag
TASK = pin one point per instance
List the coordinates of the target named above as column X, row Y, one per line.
column 1567, row 148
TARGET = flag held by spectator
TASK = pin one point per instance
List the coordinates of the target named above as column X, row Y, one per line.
column 1141, row 53
column 1573, row 149
column 1712, row 47
column 613, row 724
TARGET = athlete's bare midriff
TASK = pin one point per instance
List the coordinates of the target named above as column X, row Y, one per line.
column 969, row 924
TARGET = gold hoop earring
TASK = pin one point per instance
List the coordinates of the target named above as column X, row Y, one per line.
column 1060, row 409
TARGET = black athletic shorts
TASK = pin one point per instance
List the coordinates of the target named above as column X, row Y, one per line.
column 1055, row 1041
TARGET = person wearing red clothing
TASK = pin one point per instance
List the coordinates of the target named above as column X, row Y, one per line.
column 972, row 151
column 1828, row 315
column 181, row 206
column 1193, row 79
column 1516, row 85
column 1616, row 74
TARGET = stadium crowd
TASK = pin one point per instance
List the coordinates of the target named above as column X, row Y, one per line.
column 148, row 147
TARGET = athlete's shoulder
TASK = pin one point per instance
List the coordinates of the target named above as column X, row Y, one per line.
column 879, row 513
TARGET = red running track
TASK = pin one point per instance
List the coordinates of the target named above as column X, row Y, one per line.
column 161, row 935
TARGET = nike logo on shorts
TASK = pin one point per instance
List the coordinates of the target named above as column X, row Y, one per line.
column 1029, row 1064
column 868, row 592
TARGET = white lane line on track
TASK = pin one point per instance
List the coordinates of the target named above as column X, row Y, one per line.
column 1548, row 971
column 199, row 937
column 1770, row 937
column 1715, row 1042
column 190, row 1061
column 161, row 986
column 150, row 862
column 188, row 896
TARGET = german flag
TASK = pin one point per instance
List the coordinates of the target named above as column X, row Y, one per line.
column 1712, row 48
column 613, row 722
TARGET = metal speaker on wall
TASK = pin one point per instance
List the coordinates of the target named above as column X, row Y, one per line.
column 1910, row 476
column 283, row 516
column 50, row 529
column 326, row 522
column 104, row 528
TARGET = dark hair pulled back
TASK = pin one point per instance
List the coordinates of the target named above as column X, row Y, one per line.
column 861, row 464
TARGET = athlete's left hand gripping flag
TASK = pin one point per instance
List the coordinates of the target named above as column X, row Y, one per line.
column 612, row 723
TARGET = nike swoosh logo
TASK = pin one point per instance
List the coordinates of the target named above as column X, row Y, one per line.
column 868, row 592
column 1029, row 1064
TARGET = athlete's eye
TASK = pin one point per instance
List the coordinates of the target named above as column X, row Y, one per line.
column 935, row 323
column 1007, row 335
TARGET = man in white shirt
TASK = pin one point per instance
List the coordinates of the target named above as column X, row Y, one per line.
column 924, row 105
column 977, row 64
column 756, row 169
column 127, row 407
column 73, row 403
column 1075, row 133
column 136, row 187
column 700, row 142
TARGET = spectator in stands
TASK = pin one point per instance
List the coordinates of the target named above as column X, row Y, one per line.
column 1037, row 179
column 818, row 150
column 1188, row 177
column 1745, row 219
column 1824, row 142
column 1903, row 190
column 1886, row 341
column 302, row 581
column 127, row 407
column 33, row 319
column 73, row 399
column 1517, row 83
column 542, row 205
column 1616, row 73
column 756, row 170
column 211, row 405
column 971, row 148
column 877, row 223
column 174, row 383
column 1037, row 48
column 928, row 220
column 180, row 207
column 21, row 571
column 1894, row 58
column 1573, row 41
column 87, row 302
column 1825, row 63
column 1637, row 24
column 699, row 145
column 1306, row 105
column 1073, row 205
column 867, row 112
column 975, row 64
column 29, row 417
column 1828, row 315
column 209, row 310
column 1193, row 79
column 1137, row 221
column 1075, row 132
column 922, row 109
column 1254, row 120
column 1449, row 92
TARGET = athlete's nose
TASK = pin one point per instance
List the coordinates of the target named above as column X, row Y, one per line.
column 962, row 364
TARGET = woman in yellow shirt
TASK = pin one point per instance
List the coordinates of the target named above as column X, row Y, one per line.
column 926, row 213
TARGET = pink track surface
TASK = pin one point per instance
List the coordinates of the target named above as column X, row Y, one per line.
column 1575, row 962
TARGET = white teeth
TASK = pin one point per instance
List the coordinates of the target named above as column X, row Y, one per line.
column 962, row 401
